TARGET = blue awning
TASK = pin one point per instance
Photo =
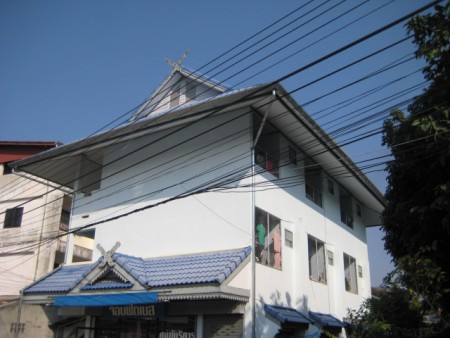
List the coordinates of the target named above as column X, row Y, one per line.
column 326, row 320
column 112, row 299
column 286, row 316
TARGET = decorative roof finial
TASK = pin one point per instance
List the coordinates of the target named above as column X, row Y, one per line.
column 107, row 256
column 177, row 65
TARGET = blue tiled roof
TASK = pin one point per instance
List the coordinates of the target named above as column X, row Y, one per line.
column 211, row 267
column 286, row 315
column 108, row 285
column 325, row 320
column 62, row 279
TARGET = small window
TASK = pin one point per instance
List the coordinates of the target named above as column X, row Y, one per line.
column 288, row 238
column 351, row 284
column 175, row 96
column 330, row 187
column 330, row 257
column 268, row 239
column 292, row 156
column 316, row 255
column 345, row 200
column 266, row 161
column 313, row 182
column 190, row 90
column 13, row 218
column 7, row 169
column 358, row 210
column 360, row 274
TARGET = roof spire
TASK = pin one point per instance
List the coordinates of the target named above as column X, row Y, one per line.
column 177, row 66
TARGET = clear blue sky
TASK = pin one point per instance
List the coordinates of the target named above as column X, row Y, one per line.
column 68, row 68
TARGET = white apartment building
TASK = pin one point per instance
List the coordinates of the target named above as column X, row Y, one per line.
column 236, row 215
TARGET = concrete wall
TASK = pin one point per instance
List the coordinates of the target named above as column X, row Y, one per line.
column 24, row 254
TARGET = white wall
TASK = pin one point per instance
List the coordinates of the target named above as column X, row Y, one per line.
column 203, row 222
column 25, row 254
column 221, row 220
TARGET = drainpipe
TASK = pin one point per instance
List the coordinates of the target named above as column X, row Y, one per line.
column 19, row 314
column 255, row 142
column 44, row 215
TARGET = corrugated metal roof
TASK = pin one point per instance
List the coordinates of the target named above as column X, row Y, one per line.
column 325, row 320
column 286, row 315
column 211, row 267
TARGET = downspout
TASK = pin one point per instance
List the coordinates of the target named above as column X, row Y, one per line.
column 253, row 261
column 44, row 215
column 19, row 314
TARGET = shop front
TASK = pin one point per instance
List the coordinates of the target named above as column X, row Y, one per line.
column 129, row 297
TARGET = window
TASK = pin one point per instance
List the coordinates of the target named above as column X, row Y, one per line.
column 351, row 284
column 190, row 90
column 7, row 169
column 313, row 182
column 358, row 210
column 267, row 148
column 13, row 218
column 330, row 187
column 360, row 274
column 268, row 239
column 292, row 156
column 345, row 200
column 288, row 238
column 175, row 96
column 266, row 161
column 330, row 257
column 316, row 255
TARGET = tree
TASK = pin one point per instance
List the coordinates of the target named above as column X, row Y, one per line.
column 417, row 217
column 388, row 314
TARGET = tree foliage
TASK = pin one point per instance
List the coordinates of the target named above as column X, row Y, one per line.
column 389, row 314
column 417, row 217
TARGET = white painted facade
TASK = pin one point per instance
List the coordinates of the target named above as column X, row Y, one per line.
column 148, row 174
column 23, row 259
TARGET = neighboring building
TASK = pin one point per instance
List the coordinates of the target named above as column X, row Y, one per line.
column 236, row 214
column 32, row 210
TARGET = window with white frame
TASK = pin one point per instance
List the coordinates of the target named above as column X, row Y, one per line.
column 351, row 283
column 313, row 182
column 316, row 256
column 345, row 201
column 267, row 239
column 13, row 218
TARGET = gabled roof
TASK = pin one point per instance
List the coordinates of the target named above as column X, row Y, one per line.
column 209, row 88
column 62, row 279
column 210, row 268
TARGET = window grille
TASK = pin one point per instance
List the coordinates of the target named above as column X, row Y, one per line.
column 13, row 218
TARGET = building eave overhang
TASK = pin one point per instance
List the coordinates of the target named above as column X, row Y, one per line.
column 66, row 157
column 287, row 115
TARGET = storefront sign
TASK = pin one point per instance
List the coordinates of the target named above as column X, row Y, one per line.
column 176, row 334
column 132, row 310
column 156, row 310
